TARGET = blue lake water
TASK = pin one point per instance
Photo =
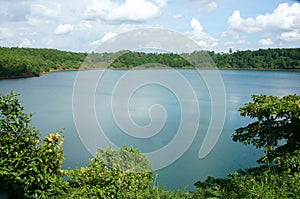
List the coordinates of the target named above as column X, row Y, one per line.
column 132, row 109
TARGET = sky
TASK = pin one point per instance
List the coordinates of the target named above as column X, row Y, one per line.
column 82, row 25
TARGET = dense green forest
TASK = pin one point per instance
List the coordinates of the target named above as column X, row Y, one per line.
column 258, row 59
column 16, row 62
column 262, row 58
column 32, row 168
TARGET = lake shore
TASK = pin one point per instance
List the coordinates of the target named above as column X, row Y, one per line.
column 26, row 75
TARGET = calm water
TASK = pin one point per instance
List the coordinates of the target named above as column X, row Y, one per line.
column 50, row 98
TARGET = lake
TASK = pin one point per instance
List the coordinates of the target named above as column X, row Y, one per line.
column 167, row 114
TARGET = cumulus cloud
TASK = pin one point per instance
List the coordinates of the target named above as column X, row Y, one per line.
column 207, row 5
column 129, row 11
column 203, row 39
column 283, row 21
column 291, row 36
column 105, row 38
column 25, row 43
column 266, row 42
column 212, row 5
column 43, row 14
column 63, row 29
column 284, row 17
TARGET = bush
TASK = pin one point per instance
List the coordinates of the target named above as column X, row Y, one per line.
column 266, row 183
column 124, row 173
column 27, row 169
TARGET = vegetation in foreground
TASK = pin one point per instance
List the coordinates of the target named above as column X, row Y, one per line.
column 31, row 168
column 27, row 62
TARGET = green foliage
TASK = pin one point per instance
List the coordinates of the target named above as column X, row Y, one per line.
column 257, row 59
column 276, row 58
column 30, row 168
column 27, row 169
column 124, row 173
column 133, row 59
column 246, row 184
column 27, row 62
column 16, row 62
column 277, row 127
column 276, row 131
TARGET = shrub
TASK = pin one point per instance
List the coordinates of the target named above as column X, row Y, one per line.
column 27, row 169
column 124, row 173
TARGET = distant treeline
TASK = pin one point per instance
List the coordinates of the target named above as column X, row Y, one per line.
column 15, row 62
column 283, row 58
column 258, row 59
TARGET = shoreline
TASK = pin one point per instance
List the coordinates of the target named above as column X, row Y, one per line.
column 137, row 68
column 39, row 75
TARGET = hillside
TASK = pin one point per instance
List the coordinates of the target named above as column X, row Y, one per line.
column 27, row 62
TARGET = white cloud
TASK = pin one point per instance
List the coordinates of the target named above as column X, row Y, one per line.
column 208, row 5
column 25, row 43
column 108, row 36
column 237, row 23
column 196, row 25
column 37, row 21
column 43, row 14
column 177, row 16
column 161, row 3
column 212, row 5
column 291, row 36
column 96, row 42
column 129, row 11
column 203, row 39
column 105, row 38
column 63, row 29
column 42, row 10
column 282, row 23
column 88, row 24
column 283, row 18
column 13, row 12
column 266, row 42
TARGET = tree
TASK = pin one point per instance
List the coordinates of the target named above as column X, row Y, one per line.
column 27, row 169
column 124, row 173
column 276, row 129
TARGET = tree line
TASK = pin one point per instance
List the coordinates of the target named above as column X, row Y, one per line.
column 288, row 58
column 284, row 58
column 16, row 62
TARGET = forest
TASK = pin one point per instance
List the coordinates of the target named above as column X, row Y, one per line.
column 258, row 59
column 27, row 62
column 22, row 62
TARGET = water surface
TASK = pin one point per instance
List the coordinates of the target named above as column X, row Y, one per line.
column 49, row 97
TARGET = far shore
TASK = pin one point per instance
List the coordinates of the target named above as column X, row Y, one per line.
column 145, row 68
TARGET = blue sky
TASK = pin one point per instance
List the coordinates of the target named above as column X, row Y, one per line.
column 214, row 24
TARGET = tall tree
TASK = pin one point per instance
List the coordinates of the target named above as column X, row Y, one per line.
column 276, row 129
